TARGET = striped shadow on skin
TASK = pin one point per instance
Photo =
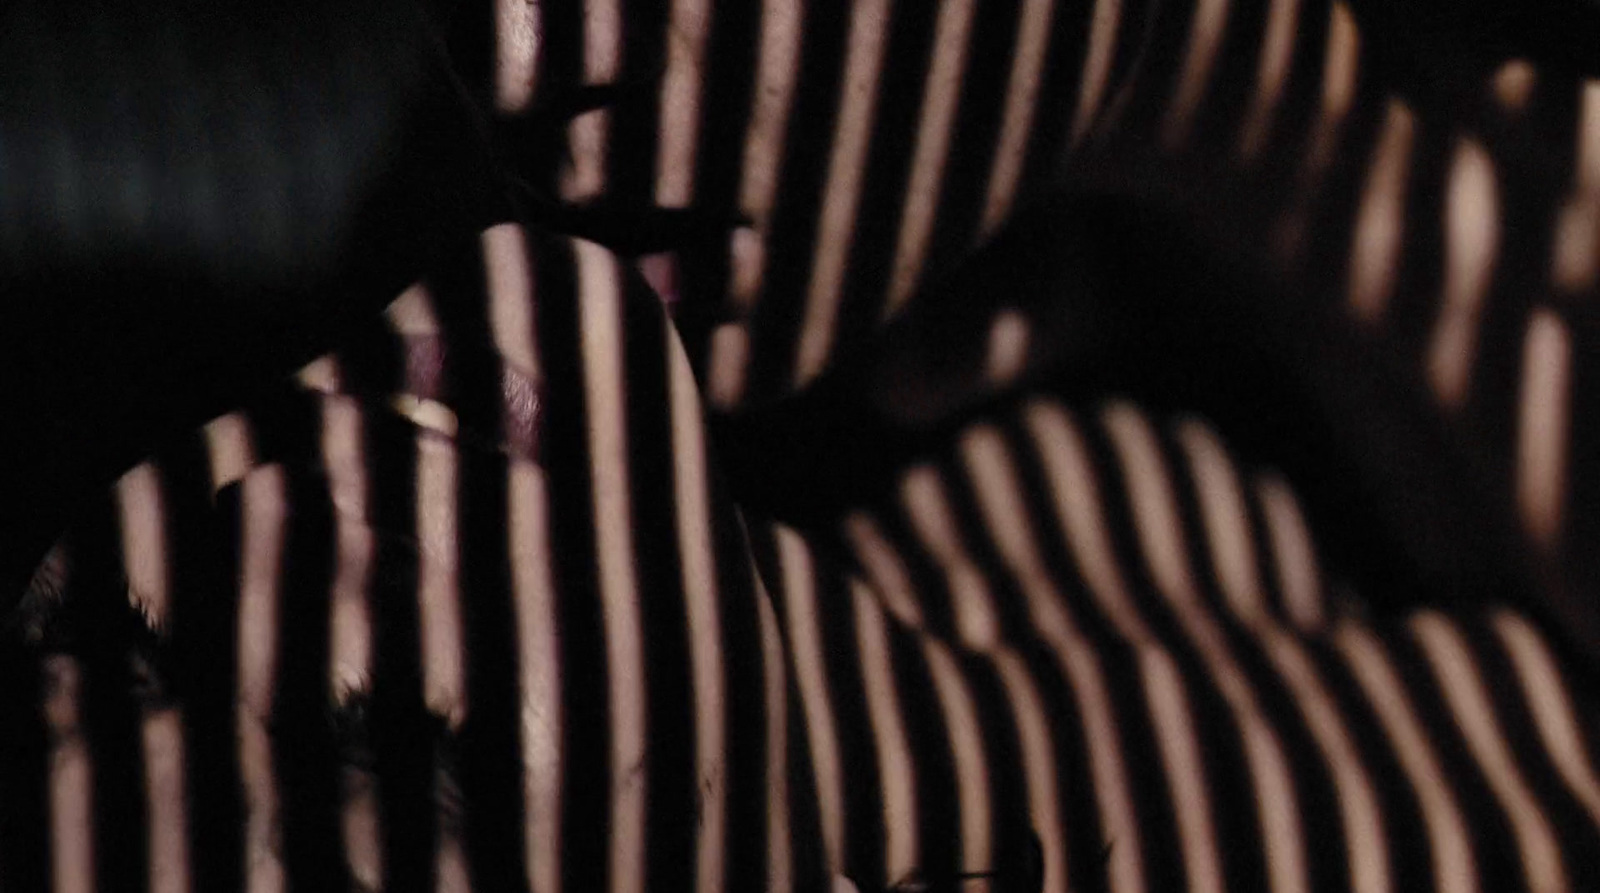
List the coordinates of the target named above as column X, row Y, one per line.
column 864, row 143
column 1443, row 201
column 1090, row 282
column 1338, row 738
column 1098, row 693
column 451, row 672
column 1420, row 193
column 871, row 146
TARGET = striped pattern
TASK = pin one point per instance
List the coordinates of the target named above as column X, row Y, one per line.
column 397, row 643
column 387, row 632
column 469, row 608
column 873, row 144
column 1460, row 239
column 1163, row 667
column 868, row 143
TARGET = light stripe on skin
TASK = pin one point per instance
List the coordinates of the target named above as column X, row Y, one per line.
column 360, row 826
column 1359, row 810
column 264, row 512
column 810, row 667
column 1455, row 870
column 539, row 667
column 1588, row 150
column 1543, row 426
column 930, row 153
column 320, row 375
column 1072, row 482
column 1292, row 552
column 780, row 857
column 71, row 778
column 1379, row 233
column 411, row 316
column 1340, row 68
column 1576, row 260
column 161, row 737
column 1150, row 497
column 1232, row 548
column 605, row 382
column 966, row 747
column 450, row 865
column 1206, row 29
column 143, row 522
column 429, row 415
column 847, row 161
column 1472, row 243
column 1005, row 516
column 896, row 763
column 1227, row 529
column 350, row 618
column 443, row 646
column 412, row 312
column 232, row 451
column 1022, row 98
column 928, row 509
column 765, row 143
column 1161, row 539
column 512, row 300
column 729, row 364
column 1073, row 485
column 1096, row 76
column 511, row 297
column 680, row 102
column 704, row 614
column 350, row 653
column 602, row 62
column 1277, row 57
column 1180, row 754
column 890, row 581
column 1455, row 671
column 518, row 38
column 1007, row 356
column 1550, row 702
column 1038, row 763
